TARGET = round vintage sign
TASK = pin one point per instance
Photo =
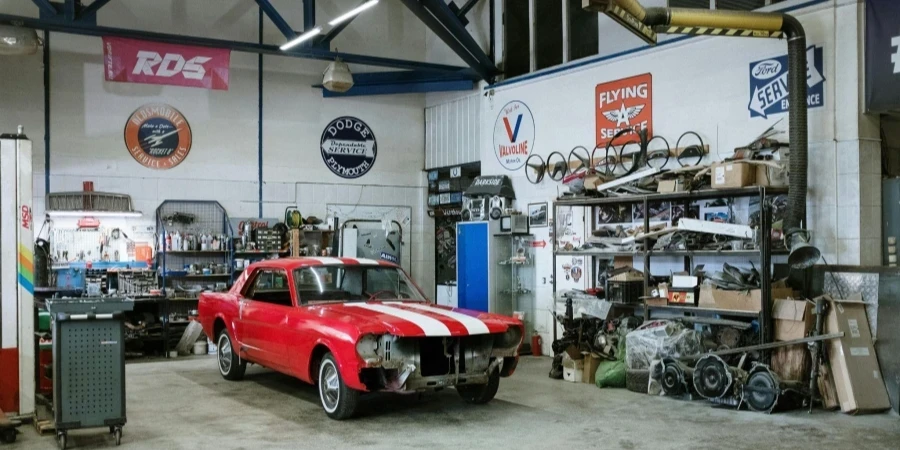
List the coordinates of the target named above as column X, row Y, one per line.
column 158, row 136
column 514, row 135
column 348, row 147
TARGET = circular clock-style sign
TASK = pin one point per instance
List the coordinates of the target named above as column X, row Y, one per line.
column 158, row 136
column 348, row 147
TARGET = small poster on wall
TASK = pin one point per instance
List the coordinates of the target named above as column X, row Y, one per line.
column 537, row 215
column 348, row 147
column 158, row 136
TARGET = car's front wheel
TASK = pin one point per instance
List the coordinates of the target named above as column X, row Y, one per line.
column 338, row 400
column 231, row 366
column 479, row 394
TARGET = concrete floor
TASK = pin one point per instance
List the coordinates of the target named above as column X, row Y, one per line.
column 185, row 404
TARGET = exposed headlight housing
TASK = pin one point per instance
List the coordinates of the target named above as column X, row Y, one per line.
column 511, row 338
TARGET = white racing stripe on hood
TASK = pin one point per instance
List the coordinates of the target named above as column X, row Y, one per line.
column 431, row 327
column 366, row 261
column 326, row 260
column 473, row 325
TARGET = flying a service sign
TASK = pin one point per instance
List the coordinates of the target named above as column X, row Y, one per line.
column 135, row 61
column 624, row 103
column 769, row 84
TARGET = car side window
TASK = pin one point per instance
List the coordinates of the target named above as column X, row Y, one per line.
column 270, row 286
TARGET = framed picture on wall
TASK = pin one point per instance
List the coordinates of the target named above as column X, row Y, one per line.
column 537, row 215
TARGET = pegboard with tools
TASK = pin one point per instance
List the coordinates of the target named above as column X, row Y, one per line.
column 67, row 245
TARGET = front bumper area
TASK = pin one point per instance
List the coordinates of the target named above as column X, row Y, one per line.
column 406, row 365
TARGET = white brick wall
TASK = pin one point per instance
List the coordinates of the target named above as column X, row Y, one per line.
column 89, row 114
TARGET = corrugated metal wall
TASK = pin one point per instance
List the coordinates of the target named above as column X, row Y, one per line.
column 453, row 132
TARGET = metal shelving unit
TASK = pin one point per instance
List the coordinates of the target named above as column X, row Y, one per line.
column 764, row 252
column 194, row 217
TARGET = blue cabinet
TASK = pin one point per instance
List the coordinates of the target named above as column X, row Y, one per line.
column 472, row 265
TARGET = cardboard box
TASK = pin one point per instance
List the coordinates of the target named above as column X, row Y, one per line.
column 573, row 353
column 791, row 362
column 665, row 186
column 751, row 300
column 726, row 175
column 857, row 375
column 590, row 361
column 793, row 319
column 769, row 176
column 683, row 297
column 573, row 370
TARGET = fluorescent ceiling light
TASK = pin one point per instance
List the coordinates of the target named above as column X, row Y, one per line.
column 353, row 12
column 94, row 213
column 302, row 38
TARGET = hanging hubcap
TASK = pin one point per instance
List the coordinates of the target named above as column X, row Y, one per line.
column 329, row 386
column 225, row 355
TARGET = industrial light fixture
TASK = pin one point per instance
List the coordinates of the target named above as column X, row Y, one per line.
column 337, row 77
column 15, row 40
column 301, row 39
column 94, row 213
column 353, row 12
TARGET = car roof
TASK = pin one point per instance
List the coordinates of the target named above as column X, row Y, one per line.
column 308, row 261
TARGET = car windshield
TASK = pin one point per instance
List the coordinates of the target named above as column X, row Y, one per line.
column 353, row 284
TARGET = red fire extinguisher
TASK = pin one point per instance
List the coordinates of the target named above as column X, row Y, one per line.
column 536, row 343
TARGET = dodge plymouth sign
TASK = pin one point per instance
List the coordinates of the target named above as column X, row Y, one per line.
column 348, row 147
column 769, row 84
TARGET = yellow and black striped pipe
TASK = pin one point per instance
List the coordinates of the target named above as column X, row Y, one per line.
column 709, row 31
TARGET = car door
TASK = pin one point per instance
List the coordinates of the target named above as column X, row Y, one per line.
column 264, row 316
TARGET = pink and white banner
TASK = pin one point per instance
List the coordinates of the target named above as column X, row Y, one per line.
column 134, row 61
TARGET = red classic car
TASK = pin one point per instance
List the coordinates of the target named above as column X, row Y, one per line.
column 356, row 325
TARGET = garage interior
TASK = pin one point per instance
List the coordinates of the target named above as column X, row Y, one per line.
column 599, row 222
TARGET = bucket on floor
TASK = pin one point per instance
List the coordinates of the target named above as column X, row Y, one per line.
column 200, row 347
column 212, row 348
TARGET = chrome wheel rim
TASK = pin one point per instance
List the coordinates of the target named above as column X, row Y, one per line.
column 225, row 354
column 329, row 386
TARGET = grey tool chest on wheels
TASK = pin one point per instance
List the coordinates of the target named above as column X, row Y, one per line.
column 88, row 364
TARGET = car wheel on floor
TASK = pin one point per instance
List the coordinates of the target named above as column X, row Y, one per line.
column 338, row 400
column 479, row 394
column 231, row 366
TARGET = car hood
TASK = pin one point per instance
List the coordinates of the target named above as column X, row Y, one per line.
column 417, row 319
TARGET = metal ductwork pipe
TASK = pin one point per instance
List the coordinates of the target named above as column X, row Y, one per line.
column 771, row 22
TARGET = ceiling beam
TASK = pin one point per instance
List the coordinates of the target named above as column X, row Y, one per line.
column 486, row 73
column 88, row 29
column 445, row 15
column 326, row 39
column 309, row 15
column 92, row 9
column 465, row 9
column 276, row 19
column 46, row 7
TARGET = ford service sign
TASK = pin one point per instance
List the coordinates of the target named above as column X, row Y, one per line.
column 769, row 84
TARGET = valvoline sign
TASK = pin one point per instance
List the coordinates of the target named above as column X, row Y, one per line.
column 769, row 84
column 514, row 135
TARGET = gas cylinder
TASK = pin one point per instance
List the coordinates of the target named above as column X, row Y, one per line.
column 536, row 343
